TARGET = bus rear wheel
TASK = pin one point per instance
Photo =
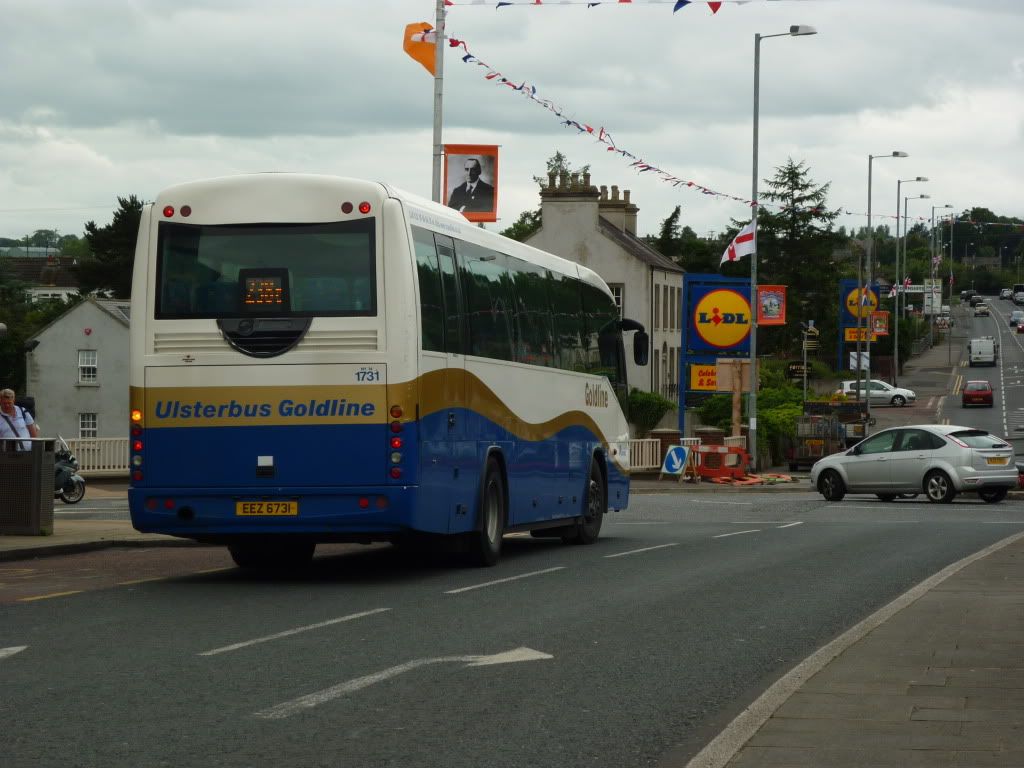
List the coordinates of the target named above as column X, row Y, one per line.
column 588, row 527
column 272, row 556
column 485, row 541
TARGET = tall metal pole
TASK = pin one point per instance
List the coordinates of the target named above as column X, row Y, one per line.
column 752, row 405
column 867, row 289
column 860, row 309
column 949, row 345
column 439, row 38
column 899, row 291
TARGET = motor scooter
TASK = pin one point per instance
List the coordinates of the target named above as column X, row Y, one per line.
column 69, row 486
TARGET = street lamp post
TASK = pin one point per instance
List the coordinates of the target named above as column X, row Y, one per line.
column 796, row 30
column 901, row 287
column 862, row 288
column 899, row 283
column 934, row 275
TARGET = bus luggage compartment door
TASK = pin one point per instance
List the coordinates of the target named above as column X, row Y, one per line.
column 265, row 426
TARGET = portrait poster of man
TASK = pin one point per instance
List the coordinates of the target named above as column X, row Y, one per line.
column 471, row 180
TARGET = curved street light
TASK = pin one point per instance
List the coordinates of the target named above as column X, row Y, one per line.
column 798, row 30
column 862, row 288
column 903, row 291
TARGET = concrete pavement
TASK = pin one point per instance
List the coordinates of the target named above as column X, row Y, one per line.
column 936, row 678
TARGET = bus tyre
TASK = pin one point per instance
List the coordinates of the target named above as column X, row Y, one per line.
column 267, row 557
column 595, row 504
column 485, row 541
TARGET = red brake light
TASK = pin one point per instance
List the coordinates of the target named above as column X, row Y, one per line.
column 364, row 503
column 168, row 211
column 137, row 445
column 396, row 411
column 364, row 207
column 396, row 472
column 396, row 426
column 396, row 442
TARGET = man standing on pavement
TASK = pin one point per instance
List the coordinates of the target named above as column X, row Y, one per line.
column 15, row 422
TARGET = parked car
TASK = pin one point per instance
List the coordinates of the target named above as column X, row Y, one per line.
column 976, row 393
column 882, row 393
column 939, row 460
column 981, row 310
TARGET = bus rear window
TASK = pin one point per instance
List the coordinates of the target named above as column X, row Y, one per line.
column 232, row 270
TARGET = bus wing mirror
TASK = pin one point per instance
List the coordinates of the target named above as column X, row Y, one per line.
column 641, row 347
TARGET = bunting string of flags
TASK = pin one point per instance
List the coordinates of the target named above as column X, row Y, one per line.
column 677, row 5
column 425, row 35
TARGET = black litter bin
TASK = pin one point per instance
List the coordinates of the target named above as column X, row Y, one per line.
column 26, row 488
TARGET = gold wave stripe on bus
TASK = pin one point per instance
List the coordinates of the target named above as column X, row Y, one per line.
column 481, row 399
column 437, row 391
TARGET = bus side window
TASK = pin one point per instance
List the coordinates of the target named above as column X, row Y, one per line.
column 431, row 297
column 488, row 298
column 567, row 312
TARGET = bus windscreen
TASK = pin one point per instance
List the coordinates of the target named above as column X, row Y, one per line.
column 291, row 270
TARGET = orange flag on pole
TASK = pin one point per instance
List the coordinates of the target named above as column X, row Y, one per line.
column 420, row 42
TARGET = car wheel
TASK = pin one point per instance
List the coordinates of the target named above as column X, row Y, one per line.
column 830, row 485
column 938, row 487
column 899, row 401
column 886, row 496
column 994, row 495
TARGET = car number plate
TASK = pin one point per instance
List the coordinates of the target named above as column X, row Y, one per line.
column 266, row 508
column 998, row 460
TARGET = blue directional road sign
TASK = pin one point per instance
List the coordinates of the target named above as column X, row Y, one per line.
column 675, row 460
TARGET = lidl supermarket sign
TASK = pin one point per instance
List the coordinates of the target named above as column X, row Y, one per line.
column 720, row 319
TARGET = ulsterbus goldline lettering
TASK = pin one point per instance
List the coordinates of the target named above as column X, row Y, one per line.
column 175, row 409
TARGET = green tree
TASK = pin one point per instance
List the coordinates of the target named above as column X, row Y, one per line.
column 113, row 251
column 796, row 247
column 527, row 223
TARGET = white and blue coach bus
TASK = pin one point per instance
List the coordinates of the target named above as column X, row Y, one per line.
column 318, row 359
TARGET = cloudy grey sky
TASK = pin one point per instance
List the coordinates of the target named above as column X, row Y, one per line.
column 116, row 97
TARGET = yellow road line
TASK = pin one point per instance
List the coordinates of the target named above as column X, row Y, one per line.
column 141, row 581
column 47, row 597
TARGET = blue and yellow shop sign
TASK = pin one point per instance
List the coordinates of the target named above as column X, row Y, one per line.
column 721, row 320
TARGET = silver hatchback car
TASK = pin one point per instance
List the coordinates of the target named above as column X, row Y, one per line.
column 939, row 460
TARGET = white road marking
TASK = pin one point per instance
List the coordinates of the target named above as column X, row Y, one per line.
column 790, row 525
column 290, row 632
column 288, row 708
column 730, row 503
column 645, row 549
column 737, row 533
column 6, row 652
column 642, row 522
column 503, row 581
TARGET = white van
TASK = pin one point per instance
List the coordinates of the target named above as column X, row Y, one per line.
column 982, row 351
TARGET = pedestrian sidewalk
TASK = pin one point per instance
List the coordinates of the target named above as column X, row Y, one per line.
column 935, row 678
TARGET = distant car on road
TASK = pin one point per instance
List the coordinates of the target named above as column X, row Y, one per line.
column 981, row 310
column 1018, row 298
column 1016, row 316
column 882, row 393
column 1006, row 293
column 939, row 460
column 976, row 393
column 976, row 300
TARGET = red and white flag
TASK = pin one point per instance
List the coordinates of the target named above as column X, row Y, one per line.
column 741, row 245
